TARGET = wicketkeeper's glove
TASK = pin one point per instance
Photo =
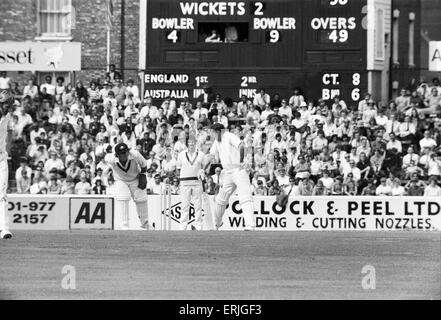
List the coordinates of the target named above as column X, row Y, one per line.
column 142, row 181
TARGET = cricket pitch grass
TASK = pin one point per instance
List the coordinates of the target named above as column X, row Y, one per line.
column 221, row 265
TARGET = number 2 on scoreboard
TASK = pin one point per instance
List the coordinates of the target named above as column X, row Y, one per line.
column 258, row 11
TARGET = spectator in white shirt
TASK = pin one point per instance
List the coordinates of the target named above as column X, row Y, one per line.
column 53, row 162
column 296, row 99
column 200, row 110
column 410, row 156
column 397, row 189
column 407, row 129
column 338, row 102
column 363, row 104
column 104, row 92
column 50, row 88
column 432, row 190
column 433, row 165
column 83, row 187
column 132, row 88
column 319, row 142
column 285, row 110
column 394, row 143
column 427, row 141
column 30, row 90
column 261, row 99
column 266, row 113
column 157, row 186
column 383, row 189
column 5, row 81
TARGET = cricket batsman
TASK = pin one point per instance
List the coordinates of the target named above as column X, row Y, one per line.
column 190, row 165
column 129, row 169
column 5, row 118
column 230, row 150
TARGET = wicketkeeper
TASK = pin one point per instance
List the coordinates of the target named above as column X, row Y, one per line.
column 129, row 169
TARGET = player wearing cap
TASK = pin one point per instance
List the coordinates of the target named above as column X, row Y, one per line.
column 129, row 169
column 231, row 152
column 190, row 166
column 5, row 118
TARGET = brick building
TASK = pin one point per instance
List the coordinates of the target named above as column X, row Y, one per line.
column 76, row 21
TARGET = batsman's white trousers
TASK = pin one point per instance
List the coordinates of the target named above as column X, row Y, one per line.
column 191, row 189
column 236, row 179
column 4, row 223
column 126, row 190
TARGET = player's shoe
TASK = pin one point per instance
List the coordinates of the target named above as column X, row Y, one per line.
column 5, row 234
column 146, row 226
column 219, row 226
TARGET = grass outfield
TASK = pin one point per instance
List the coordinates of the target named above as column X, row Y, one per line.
column 221, row 265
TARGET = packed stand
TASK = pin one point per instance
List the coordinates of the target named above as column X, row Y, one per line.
column 62, row 132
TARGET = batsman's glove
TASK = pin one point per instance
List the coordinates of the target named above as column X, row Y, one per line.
column 142, row 181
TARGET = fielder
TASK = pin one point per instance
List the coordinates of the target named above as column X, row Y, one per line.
column 190, row 166
column 5, row 118
column 231, row 152
column 129, row 169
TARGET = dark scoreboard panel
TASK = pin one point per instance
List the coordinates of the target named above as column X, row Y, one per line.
column 237, row 47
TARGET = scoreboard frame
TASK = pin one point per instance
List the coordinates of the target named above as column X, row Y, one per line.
column 323, row 69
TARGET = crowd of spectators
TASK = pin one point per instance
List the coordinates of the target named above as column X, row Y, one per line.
column 61, row 133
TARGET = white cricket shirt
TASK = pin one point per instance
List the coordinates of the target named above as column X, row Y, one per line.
column 228, row 150
column 130, row 170
column 189, row 164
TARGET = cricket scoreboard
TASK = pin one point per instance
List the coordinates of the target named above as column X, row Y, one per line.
column 238, row 47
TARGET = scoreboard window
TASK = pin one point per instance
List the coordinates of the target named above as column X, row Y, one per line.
column 225, row 32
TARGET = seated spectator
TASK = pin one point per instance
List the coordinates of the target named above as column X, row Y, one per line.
column 427, row 141
column 175, row 187
column 54, row 185
column 23, row 182
column 412, row 169
column 83, row 187
column 432, row 103
column 432, row 190
column 397, row 189
column 306, row 186
column 369, row 190
column 158, row 186
column 48, row 87
column 210, row 187
column 350, row 187
column 319, row 189
column 274, row 189
column 433, row 166
column 30, row 90
column 383, row 189
column 98, row 187
column 53, row 162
